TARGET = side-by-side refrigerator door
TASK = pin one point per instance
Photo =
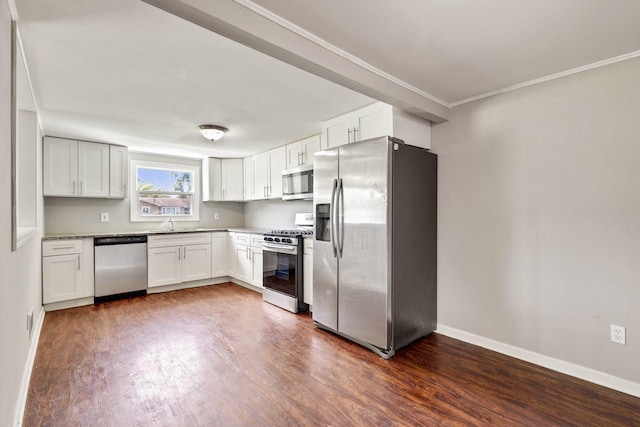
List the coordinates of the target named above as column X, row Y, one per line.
column 325, row 261
column 363, row 242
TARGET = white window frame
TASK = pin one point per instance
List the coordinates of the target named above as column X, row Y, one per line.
column 134, row 197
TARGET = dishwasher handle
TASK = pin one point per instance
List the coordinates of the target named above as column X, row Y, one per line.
column 120, row 240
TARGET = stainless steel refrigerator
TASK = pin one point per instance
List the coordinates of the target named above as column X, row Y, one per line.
column 374, row 256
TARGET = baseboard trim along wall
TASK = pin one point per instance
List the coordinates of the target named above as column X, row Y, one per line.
column 557, row 365
column 28, row 368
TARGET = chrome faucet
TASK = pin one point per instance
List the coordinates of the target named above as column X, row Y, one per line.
column 171, row 223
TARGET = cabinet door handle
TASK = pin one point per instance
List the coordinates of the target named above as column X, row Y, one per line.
column 349, row 135
column 355, row 133
column 63, row 247
column 179, row 254
column 74, row 187
column 185, row 252
column 81, row 188
column 223, row 194
column 78, row 262
column 124, row 188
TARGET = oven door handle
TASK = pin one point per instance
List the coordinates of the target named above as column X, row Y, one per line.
column 292, row 250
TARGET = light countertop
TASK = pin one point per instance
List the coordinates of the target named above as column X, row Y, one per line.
column 156, row 231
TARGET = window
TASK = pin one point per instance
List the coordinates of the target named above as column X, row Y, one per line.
column 163, row 191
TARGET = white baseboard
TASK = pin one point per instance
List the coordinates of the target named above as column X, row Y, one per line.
column 245, row 285
column 587, row 374
column 187, row 285
column 28, row 368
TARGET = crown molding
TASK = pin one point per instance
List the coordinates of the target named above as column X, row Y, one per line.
column 550, row 77
column 288, row 25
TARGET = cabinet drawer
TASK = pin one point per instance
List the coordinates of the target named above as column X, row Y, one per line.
column 177, row 239
column 243, row 239
column 61, row 247
column 256, row 240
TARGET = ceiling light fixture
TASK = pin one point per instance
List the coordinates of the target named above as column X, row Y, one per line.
column 212, row 132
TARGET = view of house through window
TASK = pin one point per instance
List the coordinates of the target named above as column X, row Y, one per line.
column 164, row 191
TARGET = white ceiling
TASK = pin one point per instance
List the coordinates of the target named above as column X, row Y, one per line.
column 457, row 49
column 122, row 71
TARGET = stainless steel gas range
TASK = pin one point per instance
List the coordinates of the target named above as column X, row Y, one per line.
column 282, row 276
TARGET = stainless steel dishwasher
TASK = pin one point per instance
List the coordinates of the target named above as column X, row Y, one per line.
column 120, row 267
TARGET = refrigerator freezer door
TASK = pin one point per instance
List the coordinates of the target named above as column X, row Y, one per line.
column 325, row 263
column 364, row 311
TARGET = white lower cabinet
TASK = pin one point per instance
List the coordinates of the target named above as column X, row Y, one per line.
column 164, row 266
column 307, row 271
column 256, row 266
column 196, row 262
column 245, row 257
column 67, row 270
column 219, row 263
column 177, row 258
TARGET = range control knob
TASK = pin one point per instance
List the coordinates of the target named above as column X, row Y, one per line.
column 269, row 239
column 288, row 240
column 277, row 239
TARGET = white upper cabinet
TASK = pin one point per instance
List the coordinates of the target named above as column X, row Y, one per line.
column 267, row 170
column 373, row 121
column 301, row 153
column 260, row 167
column 247, row 166
column 118, row 171
column 277, row 163
column 232, row 180
column 80, row 169
column 223, row 180
column 60, row 167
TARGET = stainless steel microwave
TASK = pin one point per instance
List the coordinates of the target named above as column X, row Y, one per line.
column 297, row 184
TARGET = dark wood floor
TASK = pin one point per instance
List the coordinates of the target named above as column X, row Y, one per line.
column 219, row 356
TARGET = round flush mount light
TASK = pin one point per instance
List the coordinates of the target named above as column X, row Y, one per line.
column 212, row 132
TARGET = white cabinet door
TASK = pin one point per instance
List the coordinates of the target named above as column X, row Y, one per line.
column 310, row 146
column 337, row 132
column 374, row 121
column 232, row 257
column 62, row 278
column 219, row 264
column 256, row 267
column 232, row 180
column 118, row 171
column 293, row 151
column 260, row 166
column 243, row 271
column 212, row 177
column 196, row 262
column 277, row 163
column 164, row 266
column 307, row 272
column 247, row 183
column 93, row 169
column 60, row 167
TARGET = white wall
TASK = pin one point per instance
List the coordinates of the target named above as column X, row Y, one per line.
column 75, row 215
column 20, row 289
column 539, row 218
column 276, row 214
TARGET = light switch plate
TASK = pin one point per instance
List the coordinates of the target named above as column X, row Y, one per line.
column 104, row 217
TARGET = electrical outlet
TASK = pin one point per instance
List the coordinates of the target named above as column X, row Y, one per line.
column 618, row 334
column 216, row 216
column 104, row 217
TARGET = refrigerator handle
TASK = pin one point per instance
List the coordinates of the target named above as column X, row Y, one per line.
column 340, row 218
column 333, row 217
